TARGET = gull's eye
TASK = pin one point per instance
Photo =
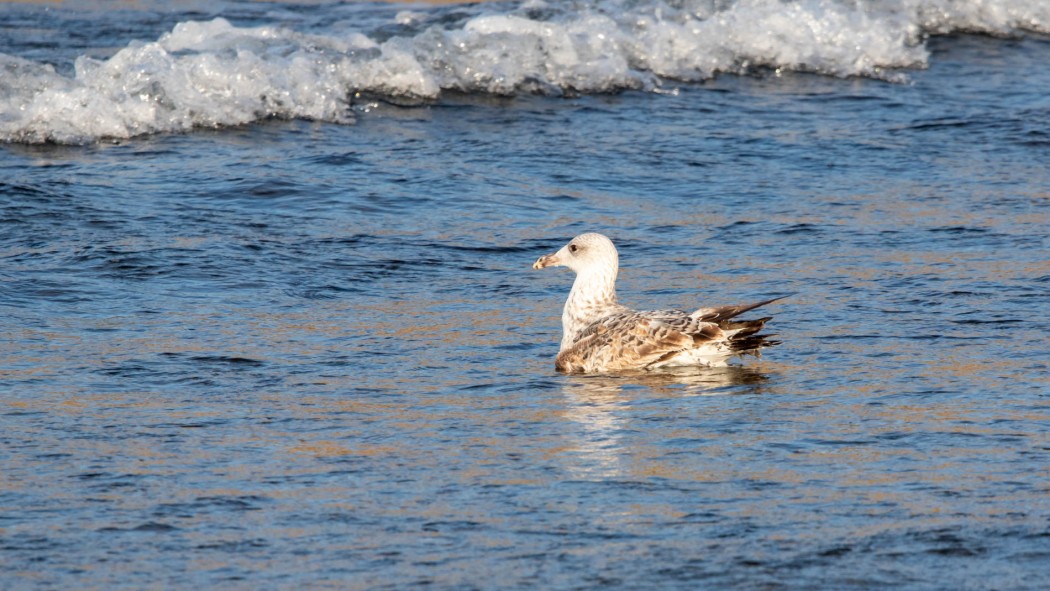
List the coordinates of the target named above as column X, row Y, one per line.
column 573, row 248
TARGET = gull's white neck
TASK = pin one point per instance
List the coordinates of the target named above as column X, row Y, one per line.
column 593, row 296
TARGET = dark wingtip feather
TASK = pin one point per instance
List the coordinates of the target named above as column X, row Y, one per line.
column 724, row 313
column 746, row 340
column 745, row 327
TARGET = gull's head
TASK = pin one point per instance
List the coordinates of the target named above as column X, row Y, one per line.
column 586, row 252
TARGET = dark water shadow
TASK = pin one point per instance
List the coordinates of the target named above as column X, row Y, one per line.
column 691, row 381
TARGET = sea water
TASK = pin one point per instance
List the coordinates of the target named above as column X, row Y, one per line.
column 267, row 317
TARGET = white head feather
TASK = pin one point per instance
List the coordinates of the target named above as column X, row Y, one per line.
column 596, row 263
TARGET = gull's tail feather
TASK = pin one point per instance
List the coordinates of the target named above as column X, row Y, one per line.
column 743, row 334
column 744, row 337
column 753, row 344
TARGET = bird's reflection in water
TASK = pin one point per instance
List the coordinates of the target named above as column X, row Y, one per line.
column 690, row 381
column 601, row 405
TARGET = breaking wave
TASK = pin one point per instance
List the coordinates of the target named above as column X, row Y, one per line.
column 213, row 73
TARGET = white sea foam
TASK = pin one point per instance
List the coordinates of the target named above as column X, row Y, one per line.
column 213, row 73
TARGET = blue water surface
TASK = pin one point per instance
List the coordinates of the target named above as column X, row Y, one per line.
column 297, row 354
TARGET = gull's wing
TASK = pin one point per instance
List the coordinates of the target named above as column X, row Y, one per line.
column 635, row 340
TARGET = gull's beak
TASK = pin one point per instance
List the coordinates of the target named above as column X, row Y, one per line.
column 547, row 260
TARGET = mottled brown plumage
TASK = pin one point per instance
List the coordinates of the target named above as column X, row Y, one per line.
column 600, row 335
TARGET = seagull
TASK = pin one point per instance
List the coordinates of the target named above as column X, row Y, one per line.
column 602, row 336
